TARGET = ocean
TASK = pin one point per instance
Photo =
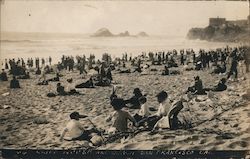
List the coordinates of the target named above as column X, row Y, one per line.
column 27, row 45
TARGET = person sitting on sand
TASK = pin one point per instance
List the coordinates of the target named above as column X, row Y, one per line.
column 3, row 76
column 198, row 66
column 14, row 83
column 38, row 71
column 87, row 84
column 197, row 88
column 170, row 120
column 60, row 89
column 221, row 86
column 165, row 71
column 43, row 74
column 134, row 101
column 144, row 112
column 74, row 130
column 120, row 117
column 163, row 109
column 25, row 76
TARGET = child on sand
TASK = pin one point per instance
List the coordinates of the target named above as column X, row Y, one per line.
column 120, row 117
column 143, row 113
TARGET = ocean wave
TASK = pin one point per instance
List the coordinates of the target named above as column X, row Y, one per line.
column 16, row 41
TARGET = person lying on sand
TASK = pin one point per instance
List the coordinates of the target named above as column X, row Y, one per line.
column 14, row 83
column 70, row 87
column 124, row 71
column 3, row 76
column 87, row 84
column 57, row 78
column 120, row 117
column 134, row 100
column 197, row 88
column 74, row 130
column 221, row 86
column 220, row 69
column 61, row 91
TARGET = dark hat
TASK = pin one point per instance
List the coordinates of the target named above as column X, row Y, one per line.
column 75, row 115
column 69, row 80
column 162, row 96
column 118, row 103
column 197, row 78
column 137, row 90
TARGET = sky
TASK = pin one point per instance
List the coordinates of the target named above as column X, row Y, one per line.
column 153, row 17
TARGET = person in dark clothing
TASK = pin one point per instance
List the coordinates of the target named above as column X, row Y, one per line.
column 233, row 69
column 3, row 76
column 6, row 64
column 109, row 74
column 165, row 71
column 182, row 59
column 14, row 83
column 60, row 89
column 87, row 84
column 221, row 86
column 197, row 88
column 134, row 101
column 38, row 71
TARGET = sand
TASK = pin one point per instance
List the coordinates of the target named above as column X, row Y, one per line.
column 222, row 123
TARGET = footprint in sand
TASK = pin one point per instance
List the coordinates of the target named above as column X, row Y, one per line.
column 164, row 147
column 242, row 144
column 130, row 146
column 203, row 141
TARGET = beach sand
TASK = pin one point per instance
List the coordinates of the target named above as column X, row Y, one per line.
column 222, row 123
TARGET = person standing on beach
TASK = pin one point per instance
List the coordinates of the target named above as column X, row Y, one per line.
column 234, row 64
column 50, row 60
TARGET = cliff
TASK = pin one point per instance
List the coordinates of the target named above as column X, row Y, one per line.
column 224, row 33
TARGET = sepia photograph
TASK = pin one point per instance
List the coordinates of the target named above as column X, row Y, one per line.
column 124, row 78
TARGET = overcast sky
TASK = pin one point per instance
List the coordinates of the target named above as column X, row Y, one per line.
column 153, row 17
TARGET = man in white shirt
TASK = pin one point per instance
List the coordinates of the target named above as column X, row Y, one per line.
column 74, row 130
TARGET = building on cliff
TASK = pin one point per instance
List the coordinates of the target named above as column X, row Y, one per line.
column 216, row 22
column 219, row 22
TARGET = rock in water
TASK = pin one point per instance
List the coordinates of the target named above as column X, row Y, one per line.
column 103, row 32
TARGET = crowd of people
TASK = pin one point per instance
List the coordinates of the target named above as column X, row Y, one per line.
column 167, row 114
